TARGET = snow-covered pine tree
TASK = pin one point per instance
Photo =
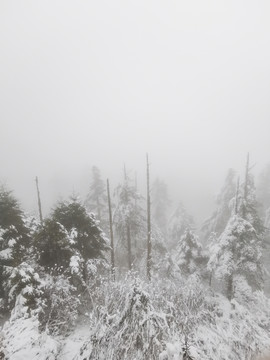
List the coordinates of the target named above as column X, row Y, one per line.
column 70, row 248
column 219, row 219
column 16, row 234
column 251, row 210
column 54, row 246
column 237, row 253
column 248, row 205
column 263, row 194
column 238, row 250
column 14, row 240
column 70, row 236
column 189, row 255
column 89, row 238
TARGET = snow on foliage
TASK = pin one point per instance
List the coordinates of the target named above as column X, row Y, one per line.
column 59, row 300
column 136, row 332
column 130, row 319
column 59, row 307
column 175, row 320
column 189, row 254
column 237, row 252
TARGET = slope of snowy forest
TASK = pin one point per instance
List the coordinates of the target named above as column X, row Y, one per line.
column 128, row 281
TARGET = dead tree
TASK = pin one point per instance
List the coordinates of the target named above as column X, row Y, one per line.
column 149, row 242
column 111, row 231
column 127, row 221
column 39, row 202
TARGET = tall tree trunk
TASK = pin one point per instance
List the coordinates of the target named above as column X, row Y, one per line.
column 111, row 231
column 127, row 222
column 135, row 234
column 39, row 202
column 149, row 243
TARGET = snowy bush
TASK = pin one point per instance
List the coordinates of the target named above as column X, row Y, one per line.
column 23, row 280
column 59, row 308
column 136, row 331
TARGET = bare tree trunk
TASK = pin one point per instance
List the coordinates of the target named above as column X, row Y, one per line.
column 111, row 231
column 39, row 202
column 127, row 223
column 135, row 234
column 149, row 243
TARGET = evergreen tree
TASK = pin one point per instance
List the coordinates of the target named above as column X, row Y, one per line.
column 15, row 234
column 14, row 238
column 248, row 206
column 254, row 211
column 54, row 246
column 219, row 219
column 238, row 250
column 89, row 240
column 190, row 256
column 69, row 240
column 96, row 198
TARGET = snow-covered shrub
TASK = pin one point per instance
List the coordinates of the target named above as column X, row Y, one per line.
column 59, row 308
column 23, row 280
column 136, row 331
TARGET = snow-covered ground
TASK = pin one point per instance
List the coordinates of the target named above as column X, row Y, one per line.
column 208, row 324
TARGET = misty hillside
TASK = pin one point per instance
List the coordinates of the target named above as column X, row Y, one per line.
column 134, row 180
column 120, row 276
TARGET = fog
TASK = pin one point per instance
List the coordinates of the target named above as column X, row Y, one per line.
column 101, row 83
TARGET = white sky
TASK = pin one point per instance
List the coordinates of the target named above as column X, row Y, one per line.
column 99, row 82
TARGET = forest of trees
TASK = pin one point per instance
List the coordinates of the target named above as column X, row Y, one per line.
column 137, row 274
